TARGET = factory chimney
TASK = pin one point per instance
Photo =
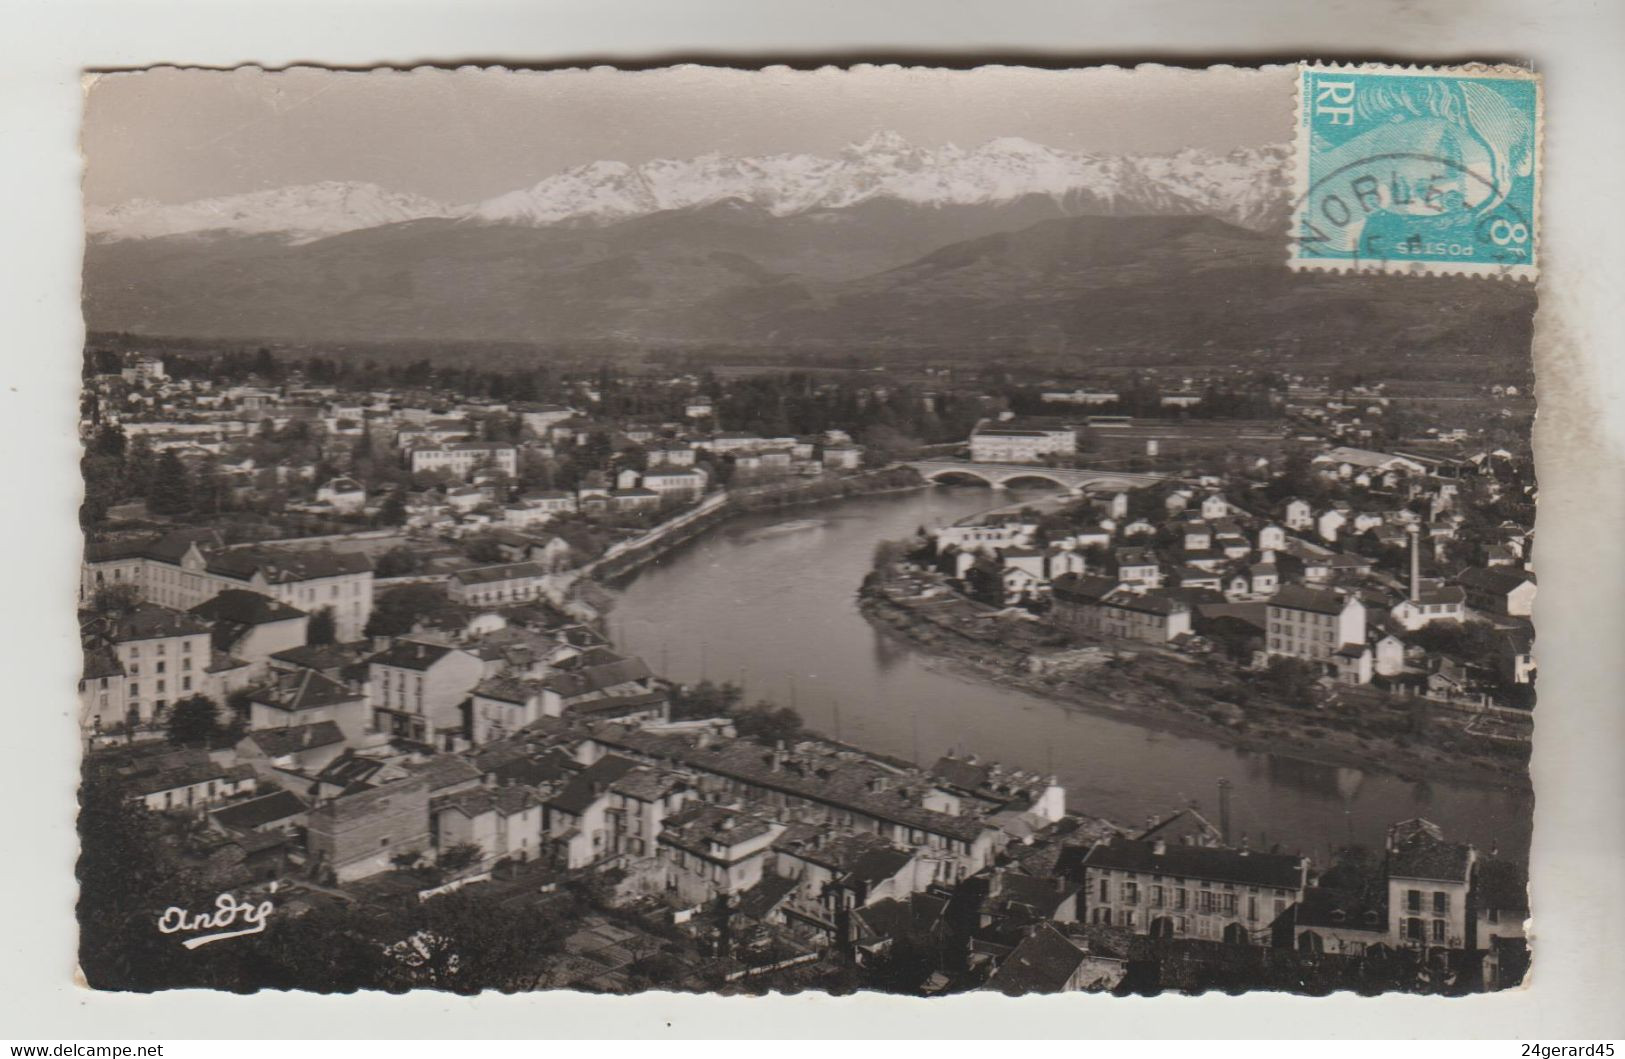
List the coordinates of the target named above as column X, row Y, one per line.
column 1416, row 561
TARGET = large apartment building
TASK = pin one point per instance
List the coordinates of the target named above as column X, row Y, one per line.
column 1313, row 624
column 1005, row 443
column 187, row 567
column 1169, row 890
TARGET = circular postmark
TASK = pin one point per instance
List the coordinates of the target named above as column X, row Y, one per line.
column 1409, row 211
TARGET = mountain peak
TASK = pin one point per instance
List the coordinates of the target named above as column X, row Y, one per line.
column 1243, row 185
column 884, row 141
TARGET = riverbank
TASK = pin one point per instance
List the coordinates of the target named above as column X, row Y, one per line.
column 751, row 499
column 1175, row 696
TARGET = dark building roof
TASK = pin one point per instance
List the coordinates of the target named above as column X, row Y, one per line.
column 100, row 661
column 612, row 706
column 1218, row 864
column 241, row 607
column 148, row 621
column 485, row 575
column 591, row 783
column 287, row 565
column 847, row 786
column 328, row 658
column 412, row 654
column 1297, row 597
column 277, row 742
column 1498, row 580
column 1422, row 856
column 1160, row 604
column 1044, row 962
column 477, row 801
column 305, row 689
column 694, row 827
column 257, row 812
column 1328, row 908
column 1082, row 588
column 765, row 896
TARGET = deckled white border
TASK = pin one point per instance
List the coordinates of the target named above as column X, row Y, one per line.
column 1580, row 439
column 1302, row 145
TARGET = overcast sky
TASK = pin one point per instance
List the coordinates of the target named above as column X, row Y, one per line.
column 461, row 136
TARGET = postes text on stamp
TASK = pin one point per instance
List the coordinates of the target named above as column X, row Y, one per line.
column 1405, row 169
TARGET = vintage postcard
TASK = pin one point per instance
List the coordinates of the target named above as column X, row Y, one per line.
column 907, row 530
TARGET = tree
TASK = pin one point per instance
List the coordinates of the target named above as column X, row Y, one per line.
column 705, row 699
column 397, row 610
column 194, row 721
column 1291, row 679
column 120, row 597
column 392, row 512
column 399, row 561
column 462, row 855
column 170, row 492
column 125, row 882
column 768, row 725
column 322, row 628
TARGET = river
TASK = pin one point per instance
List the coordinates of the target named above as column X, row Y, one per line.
column 769, row 601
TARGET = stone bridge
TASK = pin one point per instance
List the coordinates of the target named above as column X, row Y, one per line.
column 1000, row 475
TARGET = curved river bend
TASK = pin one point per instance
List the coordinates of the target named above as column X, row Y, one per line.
column 769, row 601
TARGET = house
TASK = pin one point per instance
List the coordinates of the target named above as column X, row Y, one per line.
column 1047, row 961
column 417, row 690
column 711, row 850
column 842, row 457
column 1431, row 601
column 1136, row 567
column 640, row 802
column 1389, row 655
column 670, row 455
column 1186, row 891
column 304, row 697
column 464, row 458
column 1499, row 590
column 253, row 626
column 504, row 822
column 1332, row 921
column 1428, row 884
column 1087, row 605
column 1298, row 515
column 357, row 834
column 1329, row 523
column 1215, row 506
column 548, row 551
column 184, row 780
column 502, row 706
column 834, row 872
column 1500, row 909
column 138, row 663
column 498, row 585
column 1312, row 624
column 679, row 483
column 307, row 579
column 1004, row 443
column 344, row 495
column 575, row 821
column 634, row 499
column 306, row 748
column 268, row 812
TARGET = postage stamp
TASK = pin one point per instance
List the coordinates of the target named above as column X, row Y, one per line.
column 1407, row 169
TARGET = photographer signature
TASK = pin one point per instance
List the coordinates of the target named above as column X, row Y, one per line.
column 228, row 912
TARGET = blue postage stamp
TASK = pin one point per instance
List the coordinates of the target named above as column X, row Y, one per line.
column 1415, row 169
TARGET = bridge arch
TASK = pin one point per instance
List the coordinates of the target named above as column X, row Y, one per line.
column 948, row 475
column 1039, row 475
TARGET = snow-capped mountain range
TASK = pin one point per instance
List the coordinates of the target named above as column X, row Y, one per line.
column 1244, row 186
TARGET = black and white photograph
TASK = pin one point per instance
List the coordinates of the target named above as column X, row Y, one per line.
column 879, row 529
